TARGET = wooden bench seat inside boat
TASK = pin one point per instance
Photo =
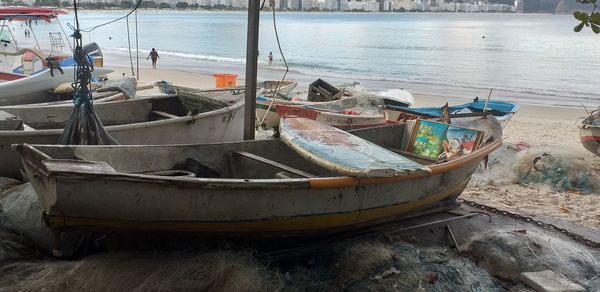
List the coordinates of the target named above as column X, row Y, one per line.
column 72, row 165
column 164, row 115
column 190, row 168
column 271, row 163
column 10, row 122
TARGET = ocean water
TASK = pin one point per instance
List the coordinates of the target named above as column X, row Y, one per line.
column 522, row 53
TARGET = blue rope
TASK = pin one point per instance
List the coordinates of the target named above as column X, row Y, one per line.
column 83, row 69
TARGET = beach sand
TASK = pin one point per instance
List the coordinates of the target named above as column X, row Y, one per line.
column 544, row 128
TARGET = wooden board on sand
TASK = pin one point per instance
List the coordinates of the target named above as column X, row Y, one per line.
column 344, row 153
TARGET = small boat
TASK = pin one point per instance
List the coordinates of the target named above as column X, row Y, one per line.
column 351, row 113
column 38, row 88
column 275, row 187
column 270, row 86
column 182, row 118
column 589, row 132
column 503, row 111
column 30, row 75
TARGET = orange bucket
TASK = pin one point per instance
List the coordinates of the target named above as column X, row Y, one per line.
column 225, row 80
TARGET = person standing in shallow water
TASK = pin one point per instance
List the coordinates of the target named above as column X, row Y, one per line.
column 154, row 56
column 270, row 58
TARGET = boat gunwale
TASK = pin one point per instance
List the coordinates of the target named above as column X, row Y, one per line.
column 334, row 114
column 392, row 108
column 585, row 123
column 186, row 118
column 334, row 182
column 70, row 104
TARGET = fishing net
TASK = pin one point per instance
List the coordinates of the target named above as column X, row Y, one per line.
column 143, row 271
column 558, row 170
column 22, row 227
column 406, row 267
column 506, row 254
column 562, row 173
column 83, row 127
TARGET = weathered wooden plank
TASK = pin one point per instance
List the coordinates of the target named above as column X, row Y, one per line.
column 165, row 114
column 273, row 163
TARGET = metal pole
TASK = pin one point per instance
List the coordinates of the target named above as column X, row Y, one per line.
column 137, row 47
column 251, row 69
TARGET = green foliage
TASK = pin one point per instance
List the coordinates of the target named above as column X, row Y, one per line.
column 591, row 20
column 164, row 5
column 149, row 4
column 181, row 5
column 18, row 3
column 65, row 4
column 127, row 4
column 194, row 6
column 507, row 2
column 53, row 3
column 15, row 3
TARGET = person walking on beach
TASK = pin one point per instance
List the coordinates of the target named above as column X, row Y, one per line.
column 270, row 60
column 154, row 56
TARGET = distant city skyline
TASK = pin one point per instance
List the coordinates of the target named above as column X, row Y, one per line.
column 345, row 5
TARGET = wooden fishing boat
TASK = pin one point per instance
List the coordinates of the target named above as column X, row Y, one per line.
column 261, row 187
column 503, row 111
column 589, row 132
column 266, row 105
column 182, row 118
column 282, row 87
column 350, row 113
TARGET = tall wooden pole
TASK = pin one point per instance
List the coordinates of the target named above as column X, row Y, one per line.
column 251, row 69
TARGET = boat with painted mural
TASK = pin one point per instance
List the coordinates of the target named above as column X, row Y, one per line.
column 30, row 74
column 287, row 186
column 356, row 112
column 503, row 111
column 589, row 132
column 189, row 116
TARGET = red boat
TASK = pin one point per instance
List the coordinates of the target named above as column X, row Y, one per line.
column 589, row 132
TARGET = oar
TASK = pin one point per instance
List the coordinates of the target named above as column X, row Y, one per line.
column 487, row 101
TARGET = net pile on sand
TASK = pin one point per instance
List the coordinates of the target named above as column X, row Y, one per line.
column 506, row 254
column 217, row 271
column 559, row 171
column 23, row 225
column 405, row 267
column 562, row 173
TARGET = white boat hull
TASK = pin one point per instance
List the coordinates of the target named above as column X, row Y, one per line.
column 38, row 87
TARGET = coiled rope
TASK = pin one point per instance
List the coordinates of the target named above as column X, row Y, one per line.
column 84, row 127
